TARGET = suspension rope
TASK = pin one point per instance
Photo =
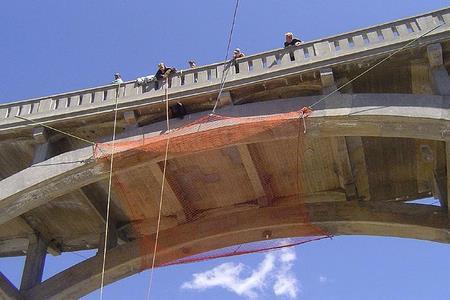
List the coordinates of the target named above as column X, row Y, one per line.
column 57, row 130
column 225, row 71
column 226, row 68
column 376, row 65
column 109, row 193
column 155, row 248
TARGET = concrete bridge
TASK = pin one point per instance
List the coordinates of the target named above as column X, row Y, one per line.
column 379, row 143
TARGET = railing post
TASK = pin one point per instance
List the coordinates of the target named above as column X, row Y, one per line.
column 323, row 49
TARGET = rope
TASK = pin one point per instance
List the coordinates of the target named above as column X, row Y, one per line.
column 376, row 65
column 226, row 68
column 109, row 194
column 161, row 193
column 57, row 130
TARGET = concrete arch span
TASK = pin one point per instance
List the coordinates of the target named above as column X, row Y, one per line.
column 382, row 115
column 345, row 218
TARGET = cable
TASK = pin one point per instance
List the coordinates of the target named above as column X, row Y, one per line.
column 57, row 130
column 227, row 68
column 155, row 248
column 109, row 194
column 376, row 65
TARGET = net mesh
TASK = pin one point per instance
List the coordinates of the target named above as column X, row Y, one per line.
column 215, row 162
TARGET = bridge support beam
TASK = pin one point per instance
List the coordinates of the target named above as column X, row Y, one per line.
column 447, row 146
column 441, row 85
column 343, row 166
column 327, row 79
column 357, row 158
column 130, row 118
column 225, row 99
column 259, row 182
column 7, row 290
column 98, row 201
column 34, row 263
column 174, row 195
column 439, row 177
column 43, row 149
column 439, row 75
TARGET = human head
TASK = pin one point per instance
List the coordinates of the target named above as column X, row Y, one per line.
column 237, row 52
column 289, row 36
column 117, row 76
column 161, row 66
column 192, row 64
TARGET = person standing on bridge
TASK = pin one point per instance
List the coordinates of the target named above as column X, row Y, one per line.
column 290, row 40
column 117, row 79
column 237, row 53
column 163, row 71
column 192, row 64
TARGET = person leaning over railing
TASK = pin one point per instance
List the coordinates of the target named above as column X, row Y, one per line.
column 163, row 71
column 290, row 40
column 117, row 79
column 237, row 53
column 192, row 64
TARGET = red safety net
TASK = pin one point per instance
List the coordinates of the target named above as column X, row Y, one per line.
column 215, row 165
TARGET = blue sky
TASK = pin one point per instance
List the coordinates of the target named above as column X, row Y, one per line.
column 52, row 46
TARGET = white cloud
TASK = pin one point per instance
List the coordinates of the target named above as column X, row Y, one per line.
column 274, row 269
column 286, row 284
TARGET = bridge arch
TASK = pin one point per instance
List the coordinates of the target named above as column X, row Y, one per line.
column 380, row 115
column 249, row 225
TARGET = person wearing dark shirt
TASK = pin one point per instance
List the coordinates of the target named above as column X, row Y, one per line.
column 163, row 71
column 192, row 64
column 237, row 53
column 290, row 40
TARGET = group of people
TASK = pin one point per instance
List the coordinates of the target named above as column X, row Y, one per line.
column 164, row 71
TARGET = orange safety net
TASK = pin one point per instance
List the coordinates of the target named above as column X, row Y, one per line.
column 211, row 164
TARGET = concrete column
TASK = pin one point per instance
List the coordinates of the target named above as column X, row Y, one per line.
column 34, row 263
column 131, row 118
column 225, row 99
column 327, row 79
column 111, row 242
column 447, row 151
column 43, row 150
column 439, row 75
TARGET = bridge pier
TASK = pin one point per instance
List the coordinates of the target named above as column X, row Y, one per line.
column 439, row 75
column 34, row 263
column 441, row 84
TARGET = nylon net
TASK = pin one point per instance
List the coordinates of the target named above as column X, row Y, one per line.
column 217, row 167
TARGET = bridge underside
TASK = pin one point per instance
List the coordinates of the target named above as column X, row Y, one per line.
column 366, row 152
column 351, row 173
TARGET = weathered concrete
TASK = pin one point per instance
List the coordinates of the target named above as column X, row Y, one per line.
column 34, row 263
column 388, row 115
column 402, row 220
column 439, row 75
column 61, row 171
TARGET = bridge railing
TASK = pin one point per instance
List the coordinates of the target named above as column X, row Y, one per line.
column 335, row 46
